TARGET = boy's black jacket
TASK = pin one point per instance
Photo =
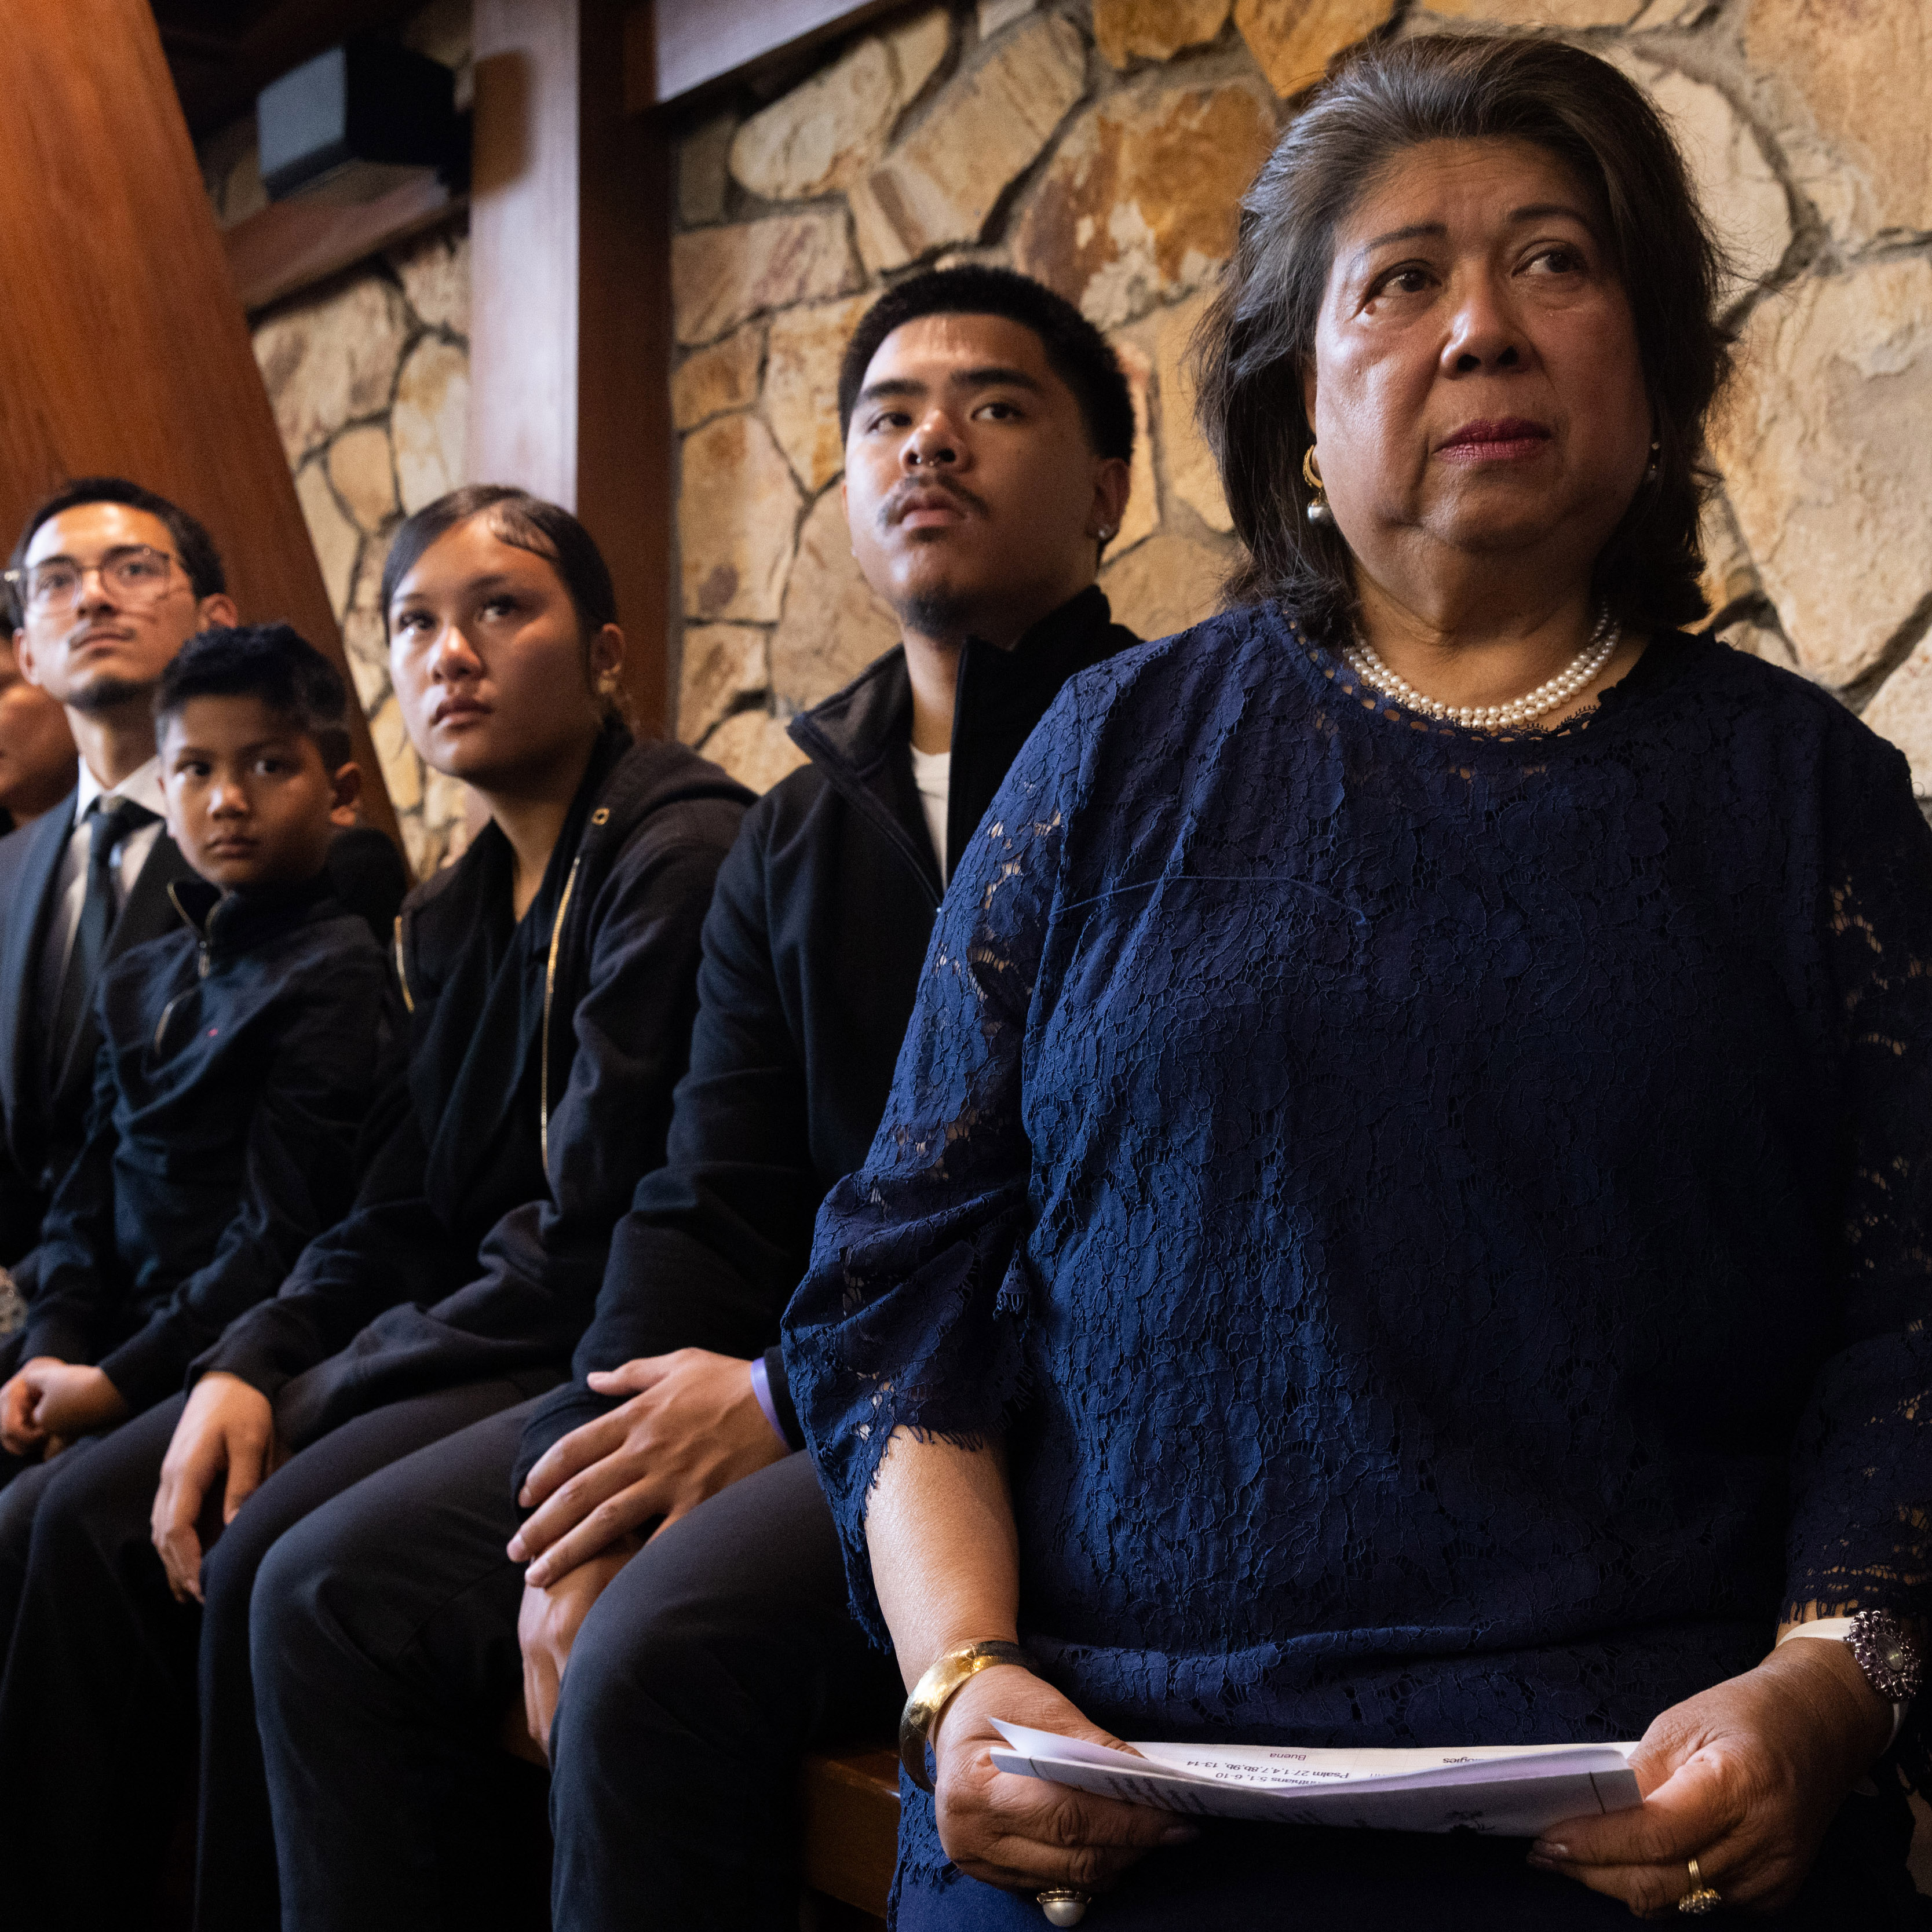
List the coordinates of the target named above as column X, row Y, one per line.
column 43, row 1124
column 812, row 952
column 239, row 1059
column 542, row 1056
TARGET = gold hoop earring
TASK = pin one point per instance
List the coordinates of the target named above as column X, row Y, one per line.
column 1319, row 512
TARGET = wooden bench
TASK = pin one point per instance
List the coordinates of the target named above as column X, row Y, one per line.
column 848, row 1832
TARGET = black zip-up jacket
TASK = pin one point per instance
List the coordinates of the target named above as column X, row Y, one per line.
column 543, row 1054
column 239, row 1059
column 812, row 952
column 43, row 1116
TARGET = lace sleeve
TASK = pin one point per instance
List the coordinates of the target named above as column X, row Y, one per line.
column 912, row 1313
column 1862, row 1464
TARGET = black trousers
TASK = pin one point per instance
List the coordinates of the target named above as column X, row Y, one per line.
column 385, row 1658
column 22, row 1482
column 110, row 1683
column 719, row 1654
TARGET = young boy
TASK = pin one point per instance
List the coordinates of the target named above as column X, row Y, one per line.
column 239, row 1057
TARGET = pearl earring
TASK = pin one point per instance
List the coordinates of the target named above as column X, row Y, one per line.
column 1319, row 512
column 1650, row 474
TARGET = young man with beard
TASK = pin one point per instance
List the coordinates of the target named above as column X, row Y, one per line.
column 107, row 582
column 988, row 430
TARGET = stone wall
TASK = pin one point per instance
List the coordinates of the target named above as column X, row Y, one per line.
column 1101, row 145
column 369, row 376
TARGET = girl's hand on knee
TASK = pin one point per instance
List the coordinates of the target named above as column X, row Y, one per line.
column 19, row 1434
column 228, row 1428
column 72, row 1400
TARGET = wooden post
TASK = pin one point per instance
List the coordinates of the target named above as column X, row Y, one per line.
column 570, row 328
column 123, row 348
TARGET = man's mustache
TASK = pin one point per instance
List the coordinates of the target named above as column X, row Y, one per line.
column 893, row 509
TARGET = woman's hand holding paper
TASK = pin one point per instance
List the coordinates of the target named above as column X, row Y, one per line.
column 1745, row 1777
column 1023, row 1833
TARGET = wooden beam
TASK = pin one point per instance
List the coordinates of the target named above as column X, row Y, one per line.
column 291, row 245
column 676, row 48
column 122, row 347
column 570, row 321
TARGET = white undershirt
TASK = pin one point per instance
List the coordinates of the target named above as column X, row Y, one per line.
column 143, row 786
column 932, row 773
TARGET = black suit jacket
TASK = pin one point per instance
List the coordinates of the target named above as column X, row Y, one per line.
column 43, row 1116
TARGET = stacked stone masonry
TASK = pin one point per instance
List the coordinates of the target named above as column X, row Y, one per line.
column 1102, row 145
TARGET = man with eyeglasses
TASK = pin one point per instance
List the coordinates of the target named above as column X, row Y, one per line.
column 107, row 582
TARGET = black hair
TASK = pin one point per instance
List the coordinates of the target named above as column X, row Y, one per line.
column 270, row 661
column 1076, row 351
column 516, row 517
column 193, row 547
column 1258, row 338
column 545, row 530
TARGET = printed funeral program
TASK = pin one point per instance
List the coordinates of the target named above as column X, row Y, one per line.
column 1509, row 1791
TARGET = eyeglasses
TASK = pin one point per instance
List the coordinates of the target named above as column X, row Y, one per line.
column 137, row 573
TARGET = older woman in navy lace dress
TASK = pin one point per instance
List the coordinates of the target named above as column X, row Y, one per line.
column 1403, row 1218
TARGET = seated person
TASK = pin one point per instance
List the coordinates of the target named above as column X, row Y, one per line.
column 36, row 773
column 1402, row 1220
column 107, row 582
column 239, row 1057
column 36, row 748
column 550, row 980
column 988, row 430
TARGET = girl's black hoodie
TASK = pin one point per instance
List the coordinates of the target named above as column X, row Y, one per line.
column 543, row 1054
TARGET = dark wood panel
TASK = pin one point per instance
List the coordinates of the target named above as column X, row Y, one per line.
column 122, row 346
column 624, row 439
column 570, row 331
column 675, row 48
column 289, row 245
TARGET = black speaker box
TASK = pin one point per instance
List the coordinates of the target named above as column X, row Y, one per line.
column 354, row 121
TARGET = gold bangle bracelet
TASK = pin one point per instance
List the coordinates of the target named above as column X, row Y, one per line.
column 934, row 1691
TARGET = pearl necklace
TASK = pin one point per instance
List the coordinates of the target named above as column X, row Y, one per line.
column 1582, row 672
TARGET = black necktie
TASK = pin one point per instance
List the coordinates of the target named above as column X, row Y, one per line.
column 110, row 820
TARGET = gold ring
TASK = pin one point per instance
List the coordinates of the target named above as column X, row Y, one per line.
column 1063, row 1905
column 1700, row 1898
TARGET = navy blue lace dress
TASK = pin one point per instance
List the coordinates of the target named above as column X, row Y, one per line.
column 1440, row 1221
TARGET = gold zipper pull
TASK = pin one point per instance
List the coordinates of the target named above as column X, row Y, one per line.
column 550, row 989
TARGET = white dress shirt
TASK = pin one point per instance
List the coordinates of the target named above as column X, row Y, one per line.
column 143, row 786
